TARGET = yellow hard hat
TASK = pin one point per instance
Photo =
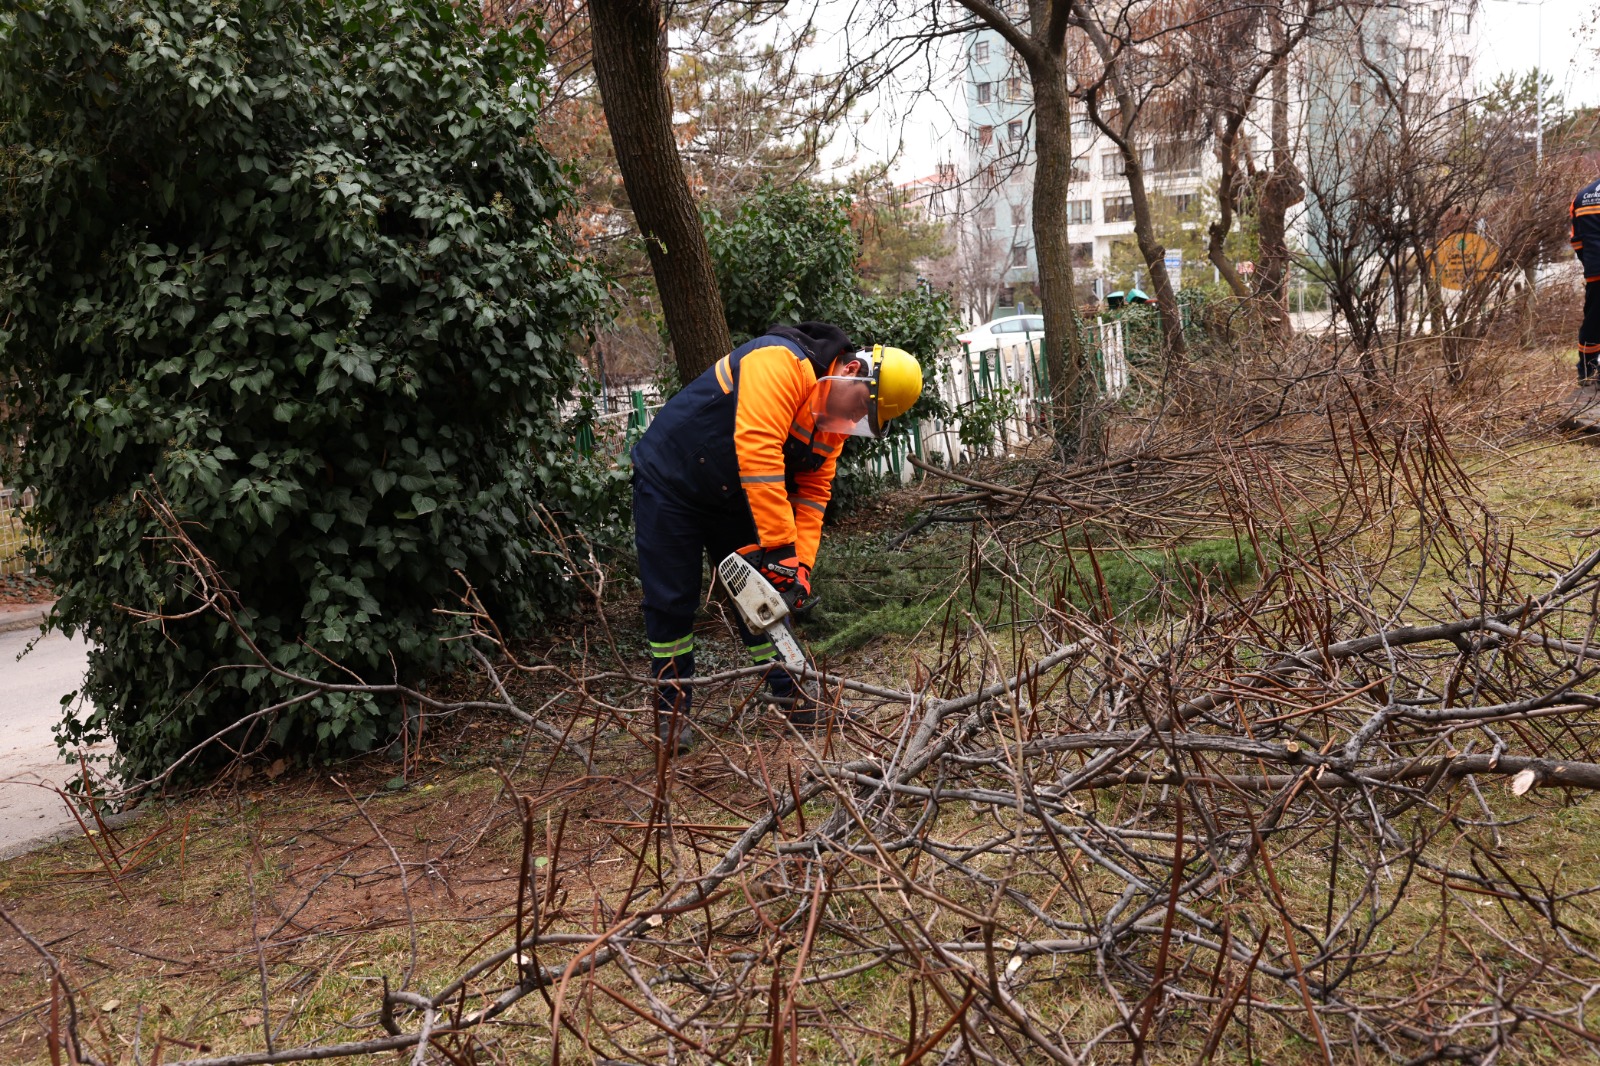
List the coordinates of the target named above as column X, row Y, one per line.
column 896, row 385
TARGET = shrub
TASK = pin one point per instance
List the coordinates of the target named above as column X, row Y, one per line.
column 298, row 267
column 789, row 255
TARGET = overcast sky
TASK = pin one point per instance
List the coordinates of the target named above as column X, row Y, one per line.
column 913, row 132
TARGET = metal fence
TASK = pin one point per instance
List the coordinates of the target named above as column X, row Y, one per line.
column 1011, row 386
column 615, row 430
column 13, row 535
column 1009, row 383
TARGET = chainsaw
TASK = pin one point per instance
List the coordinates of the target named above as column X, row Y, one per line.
column 763, row 611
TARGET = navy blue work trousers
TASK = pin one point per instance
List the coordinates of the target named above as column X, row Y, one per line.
column 1589, row 331
column 672, row 537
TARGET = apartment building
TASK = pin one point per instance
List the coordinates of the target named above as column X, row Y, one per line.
column 1420, row 49
column 1411, row 63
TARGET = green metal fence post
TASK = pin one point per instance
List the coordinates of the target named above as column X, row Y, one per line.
column 638, row 419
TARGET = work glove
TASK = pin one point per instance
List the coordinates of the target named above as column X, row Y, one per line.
column 784, row 570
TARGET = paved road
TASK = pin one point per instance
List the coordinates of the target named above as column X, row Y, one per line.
column 30, row 704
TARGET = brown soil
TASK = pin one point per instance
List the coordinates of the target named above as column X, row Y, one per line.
column 19, row 589
column 173, row 915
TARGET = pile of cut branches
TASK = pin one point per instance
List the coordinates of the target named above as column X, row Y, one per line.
column 1273, row 818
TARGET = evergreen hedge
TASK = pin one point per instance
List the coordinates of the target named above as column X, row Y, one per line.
column 298, row 266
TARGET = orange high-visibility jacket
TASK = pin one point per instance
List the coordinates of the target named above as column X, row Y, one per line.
column 742, row 435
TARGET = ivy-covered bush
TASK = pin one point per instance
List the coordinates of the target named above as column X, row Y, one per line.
column 788, row 254
column 297, row 267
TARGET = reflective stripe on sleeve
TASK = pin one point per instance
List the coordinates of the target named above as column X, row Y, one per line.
column 801, row 501
column 761, row 479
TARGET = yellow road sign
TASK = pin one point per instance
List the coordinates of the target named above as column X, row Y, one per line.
column 1462, row 259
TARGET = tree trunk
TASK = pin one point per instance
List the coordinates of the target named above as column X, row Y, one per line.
column 1227, row 191
column 1530, row 307
column 1073, row 388
column 1124, row 138
column 1282, row 189
column 1155, row 255
column 630, row 63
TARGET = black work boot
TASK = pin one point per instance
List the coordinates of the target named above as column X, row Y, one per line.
column 796, row 705
column 673, row 733
column 674, row 702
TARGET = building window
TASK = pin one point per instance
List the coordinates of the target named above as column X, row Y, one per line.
column 985, row 136
column 1019, row 215
column 1181, row 203
column 1461, row 21
column 1416, row 105
column 947, row 173
column 1019, row 255
column 1080, row 169
column 991, row 176
column 1080, row 212
column 1082, row 254
column 1082, row 129
column 1118, row 208
column 1111, row 164
column 980, row 52
column 1014, row 131
column 1419, row 16
column 986, row 217
column 1174, row 157
column 1462, row 66
column 1355, row 94
column 1436, row 16
column 1014, row 89
column 1416, row 60
column 984, row 91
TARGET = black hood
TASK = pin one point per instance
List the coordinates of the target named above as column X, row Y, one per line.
column 822, row 342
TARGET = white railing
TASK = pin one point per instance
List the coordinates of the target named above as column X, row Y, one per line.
column 1012, row 375
column 1015, row 374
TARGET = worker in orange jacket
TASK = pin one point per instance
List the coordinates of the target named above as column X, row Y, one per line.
column 742, row 459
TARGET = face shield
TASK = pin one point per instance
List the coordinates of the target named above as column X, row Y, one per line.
column 842, row 403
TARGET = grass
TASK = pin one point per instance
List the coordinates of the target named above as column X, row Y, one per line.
column 868, row 591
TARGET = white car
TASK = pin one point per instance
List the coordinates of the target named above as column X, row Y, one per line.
column 1003, row 332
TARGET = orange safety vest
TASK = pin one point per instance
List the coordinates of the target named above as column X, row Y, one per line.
column 742, row 435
